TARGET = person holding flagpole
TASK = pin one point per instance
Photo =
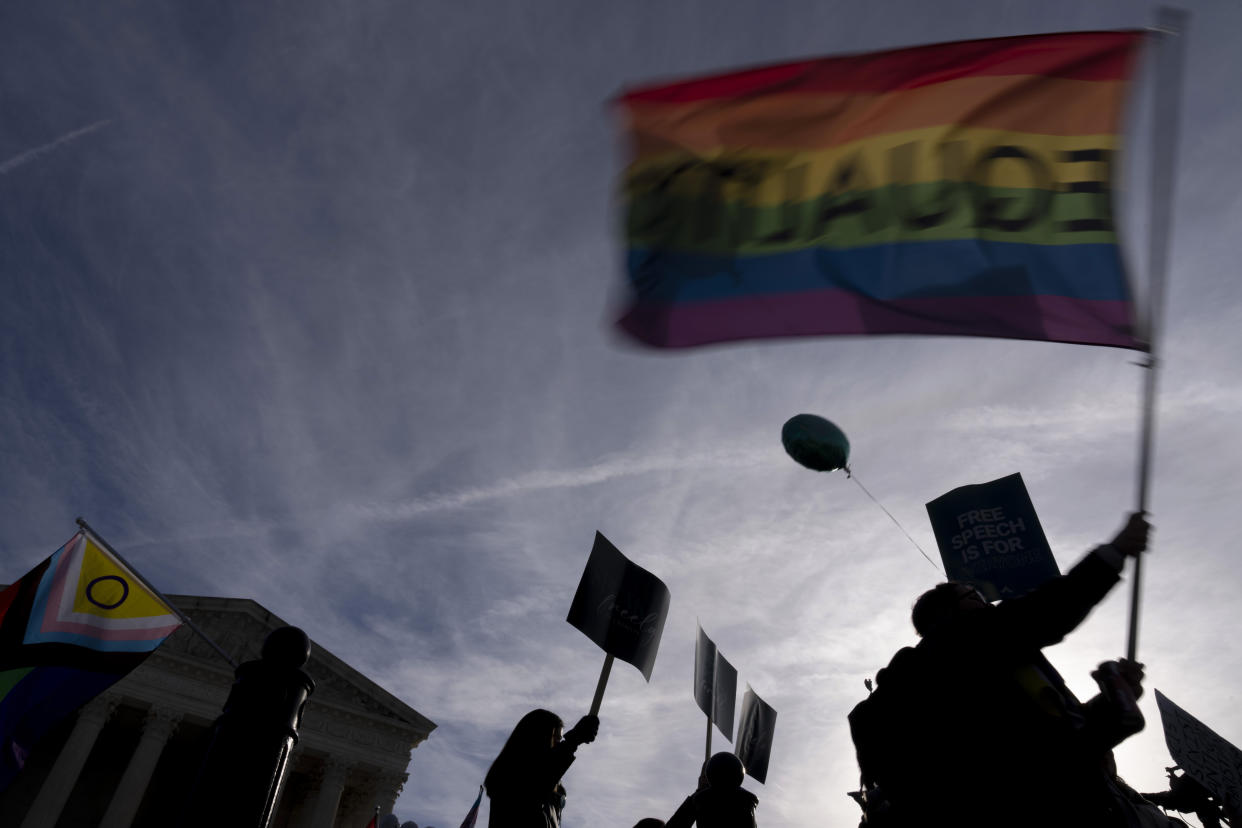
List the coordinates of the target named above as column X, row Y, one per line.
column 976, row 727
column 524, row 781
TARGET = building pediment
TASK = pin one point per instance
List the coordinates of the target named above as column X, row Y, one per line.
column 239, row 626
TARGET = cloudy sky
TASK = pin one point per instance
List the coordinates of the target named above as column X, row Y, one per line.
column 310, row 303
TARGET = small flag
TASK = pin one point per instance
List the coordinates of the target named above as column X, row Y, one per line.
column 958, row 188
column 69, row 629
column 473, row 815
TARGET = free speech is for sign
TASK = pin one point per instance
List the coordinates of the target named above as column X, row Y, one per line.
column 990, row 537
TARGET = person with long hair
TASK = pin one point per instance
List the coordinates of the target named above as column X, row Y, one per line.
column 524, row 781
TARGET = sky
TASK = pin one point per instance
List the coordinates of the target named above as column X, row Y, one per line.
column 311, row 303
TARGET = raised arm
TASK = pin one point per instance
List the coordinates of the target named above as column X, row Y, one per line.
column 1053, row 609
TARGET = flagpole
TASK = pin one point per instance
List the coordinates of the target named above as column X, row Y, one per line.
column 185, row 619
column 1166, row 105
column 603, row 682
column 707, row 753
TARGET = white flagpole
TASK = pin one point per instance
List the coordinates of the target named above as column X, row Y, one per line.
column 1168, row 32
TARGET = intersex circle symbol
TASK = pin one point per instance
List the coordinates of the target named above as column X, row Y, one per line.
column 90, row 589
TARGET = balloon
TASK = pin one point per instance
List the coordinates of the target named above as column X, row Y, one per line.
column 815, row 443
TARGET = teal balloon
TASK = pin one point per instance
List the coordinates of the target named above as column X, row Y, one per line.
column 815, row 443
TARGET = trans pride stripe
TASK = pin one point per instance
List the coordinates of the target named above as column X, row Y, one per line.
column 69, row 629
column 962, row 188
column 91, row 599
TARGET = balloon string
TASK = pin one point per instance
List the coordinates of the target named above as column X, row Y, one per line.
column 854, row 477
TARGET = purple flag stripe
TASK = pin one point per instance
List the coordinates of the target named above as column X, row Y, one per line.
column 814, row 313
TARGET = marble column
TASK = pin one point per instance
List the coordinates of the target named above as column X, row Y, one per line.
column 389, row 788
column 358, row 802
column 156, row 730
column 46, row 808
column 328, row 799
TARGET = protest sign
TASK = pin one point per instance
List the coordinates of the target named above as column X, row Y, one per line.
column 1209, row 760
column 620, row 606
column 990, row 537
column 715, row 685
column 754, row 735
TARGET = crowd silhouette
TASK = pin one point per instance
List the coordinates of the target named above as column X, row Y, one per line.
column 971, row 727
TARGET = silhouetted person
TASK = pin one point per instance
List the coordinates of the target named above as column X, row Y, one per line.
column 1189, row 797
column 649, row 822
column 974, row 727
column 524, row 782
column 720, row 801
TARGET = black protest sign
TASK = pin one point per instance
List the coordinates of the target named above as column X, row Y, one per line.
column 724, row 697
column 1207, row 758
column 620, row 606
column 754, row 735
column 989, row 536
column 715, row 684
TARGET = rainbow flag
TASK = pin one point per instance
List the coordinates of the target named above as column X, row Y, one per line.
column 69, row 629
column 961, row 188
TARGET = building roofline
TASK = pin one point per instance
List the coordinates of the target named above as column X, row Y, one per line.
column 253, row 608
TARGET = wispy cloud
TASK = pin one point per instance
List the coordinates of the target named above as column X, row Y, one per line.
column 610, row 468
column 32, row 154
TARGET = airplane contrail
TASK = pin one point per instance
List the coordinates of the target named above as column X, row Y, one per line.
column 31, row 154
column 543, row 480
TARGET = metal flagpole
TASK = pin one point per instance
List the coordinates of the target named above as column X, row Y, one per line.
column 1168, row 31
column 185, row 619
column 707, row 753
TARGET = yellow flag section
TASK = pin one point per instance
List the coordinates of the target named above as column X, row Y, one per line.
column 90, row 598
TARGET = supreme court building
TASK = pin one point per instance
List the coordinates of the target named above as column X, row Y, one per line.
column 128, row 758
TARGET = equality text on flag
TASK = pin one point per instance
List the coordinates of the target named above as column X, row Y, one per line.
column 960, row 188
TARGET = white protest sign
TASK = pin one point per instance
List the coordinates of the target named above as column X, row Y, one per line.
column 1207, row 758
column 754, row 735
